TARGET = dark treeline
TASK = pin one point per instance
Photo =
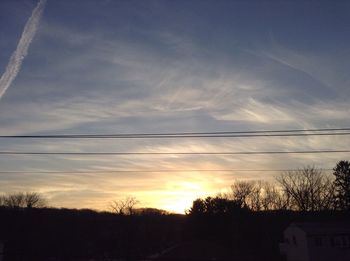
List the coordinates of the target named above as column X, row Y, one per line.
column 248, row 222
column 68, row 234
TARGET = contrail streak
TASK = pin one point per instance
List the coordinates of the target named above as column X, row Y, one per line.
column 21, row 51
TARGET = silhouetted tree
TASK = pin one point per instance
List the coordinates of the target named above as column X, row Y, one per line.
column 256, row 195
column 124, row 206
column 151, row 211
column 198, row 207
column 34, row 200
column 2, row 200
column 214, row 206
column 241, row 190
column 23, row 200
column 342, row 184
column 309, row 189
column 274, row 198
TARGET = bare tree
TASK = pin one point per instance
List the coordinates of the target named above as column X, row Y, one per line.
column 23, row 200
column 241, row 190
column 308, row 189
column 274, row 198
column 14, row 200
column 270, row 194
column 255, row 197
column 34, row 200
column 249, row 194
column 2, row 200
column 124, row 206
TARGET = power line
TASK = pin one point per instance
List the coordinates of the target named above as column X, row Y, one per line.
column 173, row 153
column 150, row 136
column 225, row 134
column 154, row 171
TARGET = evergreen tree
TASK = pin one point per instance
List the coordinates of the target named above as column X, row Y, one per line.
column 342, row 184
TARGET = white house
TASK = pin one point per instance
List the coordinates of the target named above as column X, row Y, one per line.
column 1, row 251
column 316, row 242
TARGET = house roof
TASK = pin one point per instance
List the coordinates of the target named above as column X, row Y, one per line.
column 311, row 228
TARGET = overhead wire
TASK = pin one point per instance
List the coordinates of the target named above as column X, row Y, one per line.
column 216, row 134
column 152, row 171
column 172, row 153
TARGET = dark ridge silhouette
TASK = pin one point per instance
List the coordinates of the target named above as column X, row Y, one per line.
column 246, row 225
column 68, row 234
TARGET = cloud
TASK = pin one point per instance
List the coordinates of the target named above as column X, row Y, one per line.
column 21, row 51
column 115, row 75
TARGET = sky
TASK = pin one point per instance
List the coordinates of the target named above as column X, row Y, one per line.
column 109, row 67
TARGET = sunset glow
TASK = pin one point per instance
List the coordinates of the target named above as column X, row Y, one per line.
column 155, row 74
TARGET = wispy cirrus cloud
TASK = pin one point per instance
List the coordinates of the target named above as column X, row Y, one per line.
column 117, row 69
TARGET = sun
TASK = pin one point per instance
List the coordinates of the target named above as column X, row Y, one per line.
column 179, row 196
column 176, row 193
